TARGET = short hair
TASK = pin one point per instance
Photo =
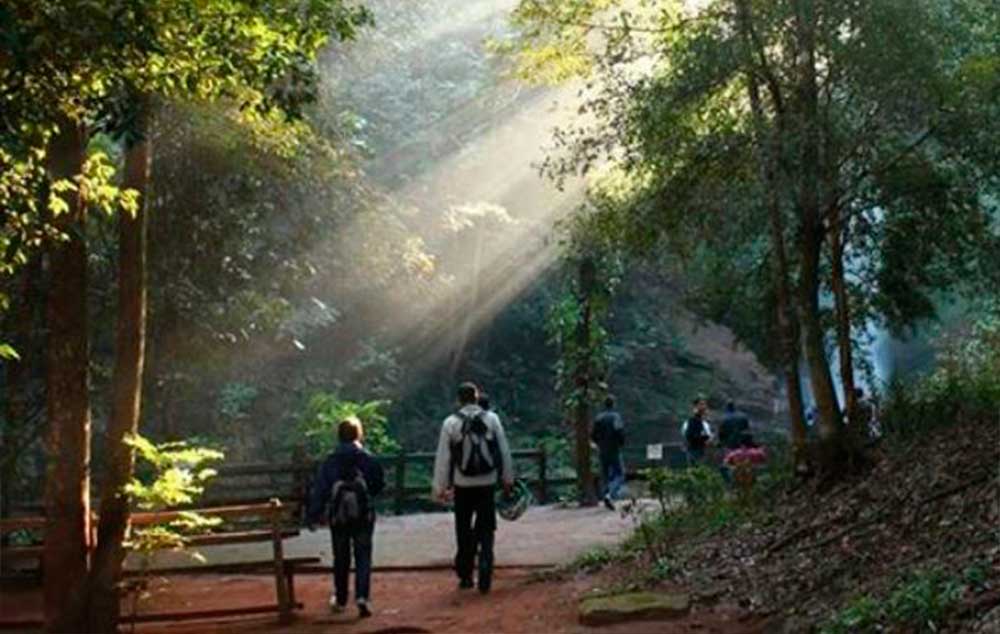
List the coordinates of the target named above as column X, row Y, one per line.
column 468, row 393
column 858, row 392
column 609, row 401
column 699, row 399
column 350, row 429
column 730, row 406
column 483, row 400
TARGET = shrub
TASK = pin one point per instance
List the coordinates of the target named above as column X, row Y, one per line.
column 965, row 384
column 324, row 411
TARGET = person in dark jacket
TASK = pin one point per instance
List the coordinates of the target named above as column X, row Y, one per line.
column 609, row 436
column 735, row 425
column 338, row 476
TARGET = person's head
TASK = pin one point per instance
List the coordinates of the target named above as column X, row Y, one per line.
column 483, row 400
column 609, row 402
column 730, row 407
column 859, row 393
column 468, row 393
column 700, row 405
column 350, row 430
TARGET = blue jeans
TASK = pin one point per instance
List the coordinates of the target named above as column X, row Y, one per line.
column 360, row 541
column 613, row 475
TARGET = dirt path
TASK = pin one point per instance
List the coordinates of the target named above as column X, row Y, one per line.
column 416, row 602
column 544, row 535
column 413, row 603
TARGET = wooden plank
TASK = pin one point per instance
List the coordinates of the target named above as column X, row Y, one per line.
column 20, row 553
column 198, row 615
column 11, row 524
column 242, row 537
column 312, row 570
column 263, row 565
column 158, row 517
column 194, row 615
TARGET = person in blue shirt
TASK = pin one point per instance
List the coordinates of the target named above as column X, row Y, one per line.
column 345, row 489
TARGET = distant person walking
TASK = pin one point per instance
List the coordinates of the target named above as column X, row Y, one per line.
column 696, row 431
column 609, row 436
column 346, row 486
column 864, row 418
column 472, row 456
column 735, row 425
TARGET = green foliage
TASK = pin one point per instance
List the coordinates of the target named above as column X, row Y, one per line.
column 695, row 486
column 920, row 602
column 594, row 559
column 169, row 475
column 861, row 616
column 324, row 411
column 965, row 383
column 235, row 400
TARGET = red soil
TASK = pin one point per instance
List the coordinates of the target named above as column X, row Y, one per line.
column 404, row 603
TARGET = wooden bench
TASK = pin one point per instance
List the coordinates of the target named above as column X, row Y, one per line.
column 282, row 568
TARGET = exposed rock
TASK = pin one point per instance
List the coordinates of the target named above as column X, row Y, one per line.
column 634, row 606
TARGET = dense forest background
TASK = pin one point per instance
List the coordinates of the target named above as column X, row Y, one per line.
column 410, row 244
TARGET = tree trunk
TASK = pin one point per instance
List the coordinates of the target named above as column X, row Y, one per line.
column 127, row 391
column 767, row 149
column 843, row 311
column 67, row 495
column 814, row 342
column 811, row 229
column 585, row 479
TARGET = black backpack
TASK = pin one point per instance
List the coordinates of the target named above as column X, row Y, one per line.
column 349, row 500
column 475, row 454
column 694, row 434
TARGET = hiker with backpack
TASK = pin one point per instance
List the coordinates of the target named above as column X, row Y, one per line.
column 472, row 457
column 608, row 434
column 346, row 486
column 697, row 432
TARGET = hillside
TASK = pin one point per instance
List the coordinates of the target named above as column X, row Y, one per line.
column 914, row 546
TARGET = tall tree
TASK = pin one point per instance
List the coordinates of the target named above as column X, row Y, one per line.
column 849, row 104
column 67, row 490
column 126, row 403
column 260, row 58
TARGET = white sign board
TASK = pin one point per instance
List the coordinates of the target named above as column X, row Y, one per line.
column 654, row 452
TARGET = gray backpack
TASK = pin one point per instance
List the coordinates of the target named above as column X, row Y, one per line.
column 349, row 502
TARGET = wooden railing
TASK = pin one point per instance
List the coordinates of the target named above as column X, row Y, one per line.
column 256, row 483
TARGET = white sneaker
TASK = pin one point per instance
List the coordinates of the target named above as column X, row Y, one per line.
column 364, row 608
column 335, row 607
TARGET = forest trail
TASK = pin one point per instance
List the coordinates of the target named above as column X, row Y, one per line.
column 544, row 535
column 417, row 602
column 413, row 602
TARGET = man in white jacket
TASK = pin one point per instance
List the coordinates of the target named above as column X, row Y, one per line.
column 472, row 456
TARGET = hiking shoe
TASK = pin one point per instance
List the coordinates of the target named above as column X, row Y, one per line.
column 465, row 583
column 336, row 608
column 484, row 584
column 608, row 503
column 364, row 611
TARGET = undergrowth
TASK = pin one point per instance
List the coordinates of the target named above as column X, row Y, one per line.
column 920, row 602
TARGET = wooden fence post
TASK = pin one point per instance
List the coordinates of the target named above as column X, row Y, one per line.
column 400, row 493
column 299, row 482
column 543, row 488
column 280, row 581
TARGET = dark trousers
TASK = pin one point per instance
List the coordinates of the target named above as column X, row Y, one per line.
column 360, row 541
column 475, row 523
